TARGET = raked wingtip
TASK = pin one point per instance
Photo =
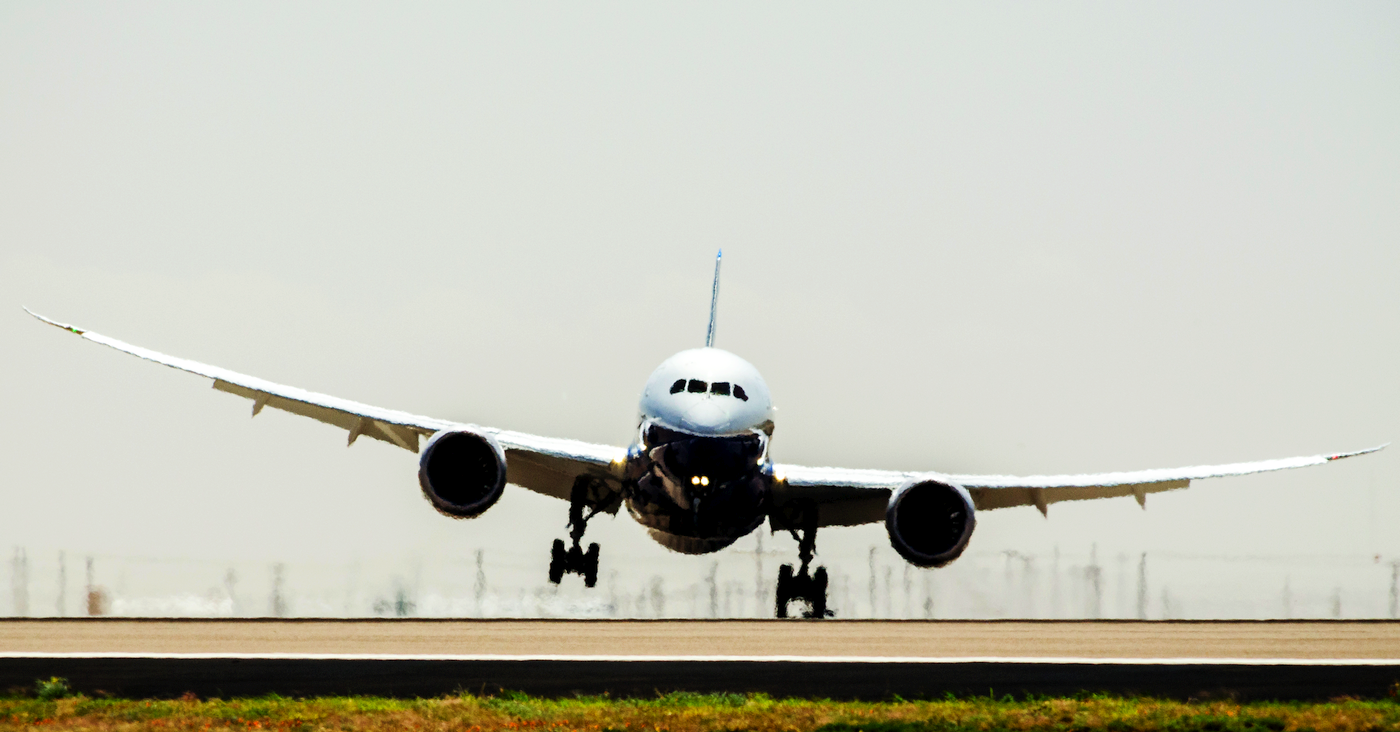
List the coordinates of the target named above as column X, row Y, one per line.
column 1354, row 453
column 54, row 323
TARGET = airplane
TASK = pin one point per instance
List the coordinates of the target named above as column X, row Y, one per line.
column 698, row 475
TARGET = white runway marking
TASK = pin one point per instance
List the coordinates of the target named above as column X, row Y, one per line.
column 1043, row 660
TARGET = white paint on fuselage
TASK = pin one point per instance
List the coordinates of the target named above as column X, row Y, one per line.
column 707, row 414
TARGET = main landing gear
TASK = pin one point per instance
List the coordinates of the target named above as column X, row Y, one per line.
column 801, row 521
column 573, row 560
column 589, row 497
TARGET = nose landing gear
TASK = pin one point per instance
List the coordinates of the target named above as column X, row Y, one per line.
column 810, row 587
column 803, row 586
column 594, row 496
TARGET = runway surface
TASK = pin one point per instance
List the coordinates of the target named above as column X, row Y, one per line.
column 737, row 638
column 840, row 659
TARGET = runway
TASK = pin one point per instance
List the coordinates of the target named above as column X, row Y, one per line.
column 734, row 638
column 838, row 659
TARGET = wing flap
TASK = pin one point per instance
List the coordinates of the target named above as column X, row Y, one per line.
column 543, row 464
column 853, row 511
column 551, row 475
column 986, row 499
column 842, row 497
column 355, row 424
column 845, row 496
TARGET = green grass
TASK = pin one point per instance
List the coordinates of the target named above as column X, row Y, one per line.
column 679, row 712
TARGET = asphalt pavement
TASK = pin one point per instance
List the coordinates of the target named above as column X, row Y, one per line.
column 837, row 659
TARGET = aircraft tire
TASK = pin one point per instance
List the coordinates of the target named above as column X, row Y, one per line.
column 590, row 566
column 816, row 594
column 557, row 557
column 784, row 589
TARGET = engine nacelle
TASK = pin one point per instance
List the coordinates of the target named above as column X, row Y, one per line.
column 462, row 472
column 929, row 522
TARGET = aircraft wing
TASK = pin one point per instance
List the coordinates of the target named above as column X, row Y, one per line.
column 850, row 497
column 542, row 464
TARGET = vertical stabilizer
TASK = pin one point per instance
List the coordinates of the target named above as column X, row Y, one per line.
column 714, row 303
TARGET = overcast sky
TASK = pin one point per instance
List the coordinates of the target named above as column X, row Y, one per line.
column 966, row 237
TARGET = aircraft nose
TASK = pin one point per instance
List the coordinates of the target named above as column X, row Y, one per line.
column 707, row 416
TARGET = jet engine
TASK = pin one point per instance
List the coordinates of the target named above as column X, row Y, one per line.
column 929, row 522
column 462, row 472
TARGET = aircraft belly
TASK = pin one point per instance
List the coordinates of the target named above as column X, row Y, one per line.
column 698, row 521
column 688, row 544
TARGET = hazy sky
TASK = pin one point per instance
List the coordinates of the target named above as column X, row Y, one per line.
column 967, row 237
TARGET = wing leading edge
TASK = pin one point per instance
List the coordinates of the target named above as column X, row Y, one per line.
column 543, row 464
column 849, row 497
column 548, row 465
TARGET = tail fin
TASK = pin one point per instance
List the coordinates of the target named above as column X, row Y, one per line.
column 714, row 303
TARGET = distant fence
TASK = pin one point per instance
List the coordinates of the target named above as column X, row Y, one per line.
column 736, row 583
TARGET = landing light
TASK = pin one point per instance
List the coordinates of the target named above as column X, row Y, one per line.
column 699, row 480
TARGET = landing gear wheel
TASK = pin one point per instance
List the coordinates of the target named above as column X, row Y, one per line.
column 590, row 566
column 784, row 589
column 817, row 595
column 558, row 558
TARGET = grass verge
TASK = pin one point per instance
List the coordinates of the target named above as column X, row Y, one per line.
column 682, row 713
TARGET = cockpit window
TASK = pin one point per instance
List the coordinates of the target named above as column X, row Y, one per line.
column 719, row 388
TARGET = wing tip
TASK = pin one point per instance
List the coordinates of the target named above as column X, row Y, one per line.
column 1354, row 453
column 55, row 323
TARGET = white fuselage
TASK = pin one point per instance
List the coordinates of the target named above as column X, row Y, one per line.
column 700, row 474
